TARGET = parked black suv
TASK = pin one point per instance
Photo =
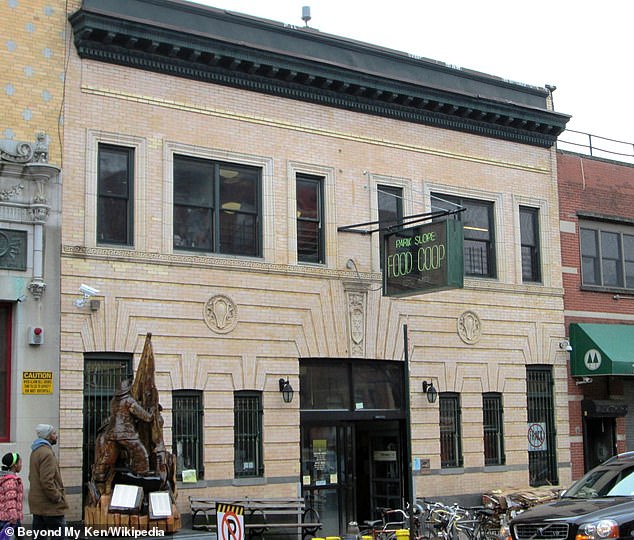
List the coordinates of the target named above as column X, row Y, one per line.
column 596, row 507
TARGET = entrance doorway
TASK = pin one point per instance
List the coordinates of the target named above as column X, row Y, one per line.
column 600, row 440
column 351, row 468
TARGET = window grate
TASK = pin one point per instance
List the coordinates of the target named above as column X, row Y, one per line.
column 102, row 377
column 450, row 430
column 187, row 431
column 542, row 461
column 493, row 422
column 248, row 460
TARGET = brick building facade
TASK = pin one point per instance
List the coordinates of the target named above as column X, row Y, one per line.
column 246, row 290
column 596, row 198
column 32, row 58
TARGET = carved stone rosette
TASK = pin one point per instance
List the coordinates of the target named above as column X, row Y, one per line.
column 221, row 314
column 469, row 327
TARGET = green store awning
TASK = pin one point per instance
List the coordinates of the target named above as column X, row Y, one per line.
column 601, row 349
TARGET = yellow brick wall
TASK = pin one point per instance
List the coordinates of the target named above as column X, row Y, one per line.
column 34, row 41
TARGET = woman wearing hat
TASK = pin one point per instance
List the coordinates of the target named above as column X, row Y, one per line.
column 11, row 490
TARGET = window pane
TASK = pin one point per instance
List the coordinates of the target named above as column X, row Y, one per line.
column 112, row 222
column 529, row 234
column 238, row 233
column 476, row 258
column 325, row 386
column 589, row 257
column 192, row 228
column 390, row 207
column 193, row 181
column 377, row 387
column 611, row 259
column 309, row 219
column 476, row 221
column 114, row 201
column 308, row 241
column 238, row 193
column 307, row 199
column 113, row 172
column 479, row 240
column 628, row 252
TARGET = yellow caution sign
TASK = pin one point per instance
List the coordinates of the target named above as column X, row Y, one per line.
column 37, row 382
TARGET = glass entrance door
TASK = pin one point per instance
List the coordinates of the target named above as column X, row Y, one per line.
column 327, row 479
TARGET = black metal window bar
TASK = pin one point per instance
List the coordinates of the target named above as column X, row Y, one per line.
column 187, row 431
column 450, row 430
column 102, row 376
column 542, row 455
column 493, row 423
column 248, row 460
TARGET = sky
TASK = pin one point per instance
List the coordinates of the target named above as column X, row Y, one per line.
column 584, row 48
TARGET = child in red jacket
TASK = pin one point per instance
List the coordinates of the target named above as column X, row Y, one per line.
column 11, row 490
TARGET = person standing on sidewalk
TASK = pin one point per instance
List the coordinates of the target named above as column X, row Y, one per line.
column 11, row 491
column 46, row 492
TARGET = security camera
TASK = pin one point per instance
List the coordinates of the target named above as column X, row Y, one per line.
column 565, row 345
column 88, row 291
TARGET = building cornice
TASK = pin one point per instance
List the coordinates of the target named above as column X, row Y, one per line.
column 220, row 47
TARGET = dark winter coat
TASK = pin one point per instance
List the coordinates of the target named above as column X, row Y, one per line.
column 46, row 490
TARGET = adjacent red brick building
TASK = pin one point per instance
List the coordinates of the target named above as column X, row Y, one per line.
column 596, row 203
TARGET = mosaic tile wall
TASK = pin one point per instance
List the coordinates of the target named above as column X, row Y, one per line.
column 32, row 60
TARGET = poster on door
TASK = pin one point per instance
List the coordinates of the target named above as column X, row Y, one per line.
column 537, row 437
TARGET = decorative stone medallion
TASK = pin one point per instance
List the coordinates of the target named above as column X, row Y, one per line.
column 469, row 327
column 221, row 314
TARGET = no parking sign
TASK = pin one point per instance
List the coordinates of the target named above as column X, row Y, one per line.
column 230, row 520
column 537, row 437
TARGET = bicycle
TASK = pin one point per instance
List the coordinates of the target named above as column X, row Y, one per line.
column 392, row 520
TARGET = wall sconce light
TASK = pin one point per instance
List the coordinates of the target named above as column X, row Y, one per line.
column 565, row 345
column 287, row 390
column 432, row 393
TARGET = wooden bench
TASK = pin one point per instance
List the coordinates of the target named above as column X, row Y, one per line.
column 261, row 515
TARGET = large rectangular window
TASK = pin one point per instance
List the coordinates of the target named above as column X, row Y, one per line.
column 529, row 233
column 607, row 255
column 450, row 430
column 493, row 423
column 248, row 444
column 479, row 237
column 115, row 174
column 390, row 206
column 5, row 370
column 310, row 219
column 187, row 431
column 216, row 207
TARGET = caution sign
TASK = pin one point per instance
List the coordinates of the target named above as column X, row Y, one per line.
column 537, row 437
column 37, row 382
column 230, row 520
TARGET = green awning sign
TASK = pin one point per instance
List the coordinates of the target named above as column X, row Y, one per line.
column 601, row 349
column 423, row 259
